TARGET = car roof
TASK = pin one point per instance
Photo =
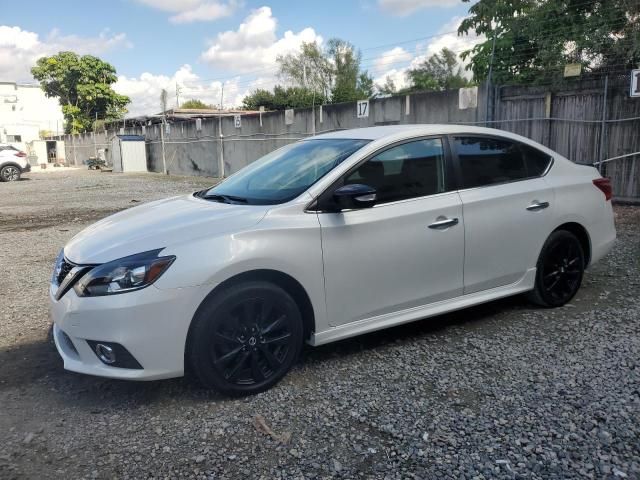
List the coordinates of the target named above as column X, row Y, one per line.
column 381, row 132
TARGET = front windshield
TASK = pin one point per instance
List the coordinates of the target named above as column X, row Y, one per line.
column 285, row 173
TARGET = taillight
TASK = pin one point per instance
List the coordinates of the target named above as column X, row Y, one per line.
column 21, row 154
column 604, row 185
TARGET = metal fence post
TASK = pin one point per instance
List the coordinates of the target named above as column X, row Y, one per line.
column 603, row 126
column 164, row 158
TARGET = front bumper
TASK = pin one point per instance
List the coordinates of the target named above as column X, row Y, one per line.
column 151, row 324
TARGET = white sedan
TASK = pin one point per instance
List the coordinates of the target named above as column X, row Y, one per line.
column 334, row 236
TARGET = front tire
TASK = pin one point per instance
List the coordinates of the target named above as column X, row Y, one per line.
column 9, row 173
column 245, row 338
column 560, row 269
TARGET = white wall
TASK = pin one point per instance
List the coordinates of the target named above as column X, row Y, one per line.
column 25, row 110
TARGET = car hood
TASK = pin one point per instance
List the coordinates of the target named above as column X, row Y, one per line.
column 159, row 224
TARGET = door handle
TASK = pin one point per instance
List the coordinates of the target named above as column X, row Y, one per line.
column 442, row 222
column 535, row 206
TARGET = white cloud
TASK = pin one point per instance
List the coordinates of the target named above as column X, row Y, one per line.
column 255, row 44
column 397, row 66
column 19, row 49
column 391, row 57
column 144, row 90
column 187, row 11
column 406, row 7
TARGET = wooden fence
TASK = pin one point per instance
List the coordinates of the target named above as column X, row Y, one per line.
column 587, row 121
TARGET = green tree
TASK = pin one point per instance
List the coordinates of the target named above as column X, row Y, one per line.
column 365, row 87
column 82, row 85
column 389, row 87
column 309, row 69
column 333, row 73
column 441, row 71
column 534, row 39
column 195, row 103
column 282, row 98
column 349, row 83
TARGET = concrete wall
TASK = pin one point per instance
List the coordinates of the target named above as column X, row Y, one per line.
column 188, row 151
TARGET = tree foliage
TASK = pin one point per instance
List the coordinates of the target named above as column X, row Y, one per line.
column 282, row 98
column 333, row 73
column 534, row 39
column 83, row 86
column 349, row 83
column 308, row 69
column 195, row 103
column 441, row 71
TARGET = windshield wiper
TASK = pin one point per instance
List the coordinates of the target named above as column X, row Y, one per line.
column 224, row 198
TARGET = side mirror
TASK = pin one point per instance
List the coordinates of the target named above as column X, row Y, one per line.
column 355, row 195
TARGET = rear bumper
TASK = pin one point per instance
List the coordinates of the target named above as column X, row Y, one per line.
column 603, row 234
column 26, row 169
column 151, row 324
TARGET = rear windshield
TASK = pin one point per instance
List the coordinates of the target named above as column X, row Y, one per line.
column 285, row 173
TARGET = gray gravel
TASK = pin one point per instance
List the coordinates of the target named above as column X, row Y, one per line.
column 503, row 390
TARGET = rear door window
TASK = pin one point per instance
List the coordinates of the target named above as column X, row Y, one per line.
column 537, row 162
column 488, row 161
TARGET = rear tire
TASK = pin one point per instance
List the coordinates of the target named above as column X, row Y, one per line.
column 9, row 173
column 559, row 271
column 245, row 338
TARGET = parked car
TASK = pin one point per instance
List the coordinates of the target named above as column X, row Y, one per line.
column 13, row 163
column 330, row 237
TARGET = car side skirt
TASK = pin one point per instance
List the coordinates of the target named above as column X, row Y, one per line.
column 380, row 322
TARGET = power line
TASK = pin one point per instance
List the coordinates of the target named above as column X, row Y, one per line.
column 521, row 54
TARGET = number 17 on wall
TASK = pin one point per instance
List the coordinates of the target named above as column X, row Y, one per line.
column 362, row 109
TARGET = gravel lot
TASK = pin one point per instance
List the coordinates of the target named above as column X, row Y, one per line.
column 503, row 390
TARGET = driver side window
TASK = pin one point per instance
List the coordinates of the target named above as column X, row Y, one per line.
column 413, row 169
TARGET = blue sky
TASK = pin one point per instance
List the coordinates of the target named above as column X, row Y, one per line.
column 203, row 44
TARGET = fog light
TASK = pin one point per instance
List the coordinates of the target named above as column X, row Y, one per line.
column 105, row 353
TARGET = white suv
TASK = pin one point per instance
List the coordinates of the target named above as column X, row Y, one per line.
column 13, row 163
column 331, row 237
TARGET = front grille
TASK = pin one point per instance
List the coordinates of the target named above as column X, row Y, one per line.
column 65, row 268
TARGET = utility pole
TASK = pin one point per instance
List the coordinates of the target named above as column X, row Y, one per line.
column 163, row 103
column 177, row 95
column 73, row 141
column 221, row 136
column 95, row 144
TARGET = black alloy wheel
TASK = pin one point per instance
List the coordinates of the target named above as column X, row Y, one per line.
column 559, row 271
column 246, row 338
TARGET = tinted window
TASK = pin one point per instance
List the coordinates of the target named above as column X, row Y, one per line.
column 536, row 161
column 485, row 161
column 413, row 169
column 287, row 172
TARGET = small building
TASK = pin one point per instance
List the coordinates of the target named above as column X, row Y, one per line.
column 27, row 114
column 45, row 151
column 128, row 153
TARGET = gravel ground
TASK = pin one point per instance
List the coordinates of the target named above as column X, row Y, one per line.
column 503, row 390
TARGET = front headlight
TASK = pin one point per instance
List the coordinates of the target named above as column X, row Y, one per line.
column 124, row 275
column 57, row 268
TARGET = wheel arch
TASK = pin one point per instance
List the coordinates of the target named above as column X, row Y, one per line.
column 10, row 163
column 583, row 236
column 281, row 279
